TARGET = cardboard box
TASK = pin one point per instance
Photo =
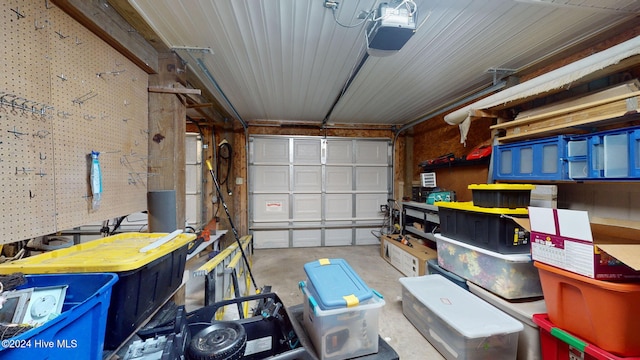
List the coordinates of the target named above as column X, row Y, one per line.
column 566, row 239
column 411, row 261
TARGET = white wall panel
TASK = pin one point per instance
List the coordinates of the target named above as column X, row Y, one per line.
column 270, row 207
column 371, row 178
column 307, row 178
column 271, row 239
column 270, row 150
column 271, row 178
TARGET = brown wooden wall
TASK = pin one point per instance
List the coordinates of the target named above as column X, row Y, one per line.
column 434, row 138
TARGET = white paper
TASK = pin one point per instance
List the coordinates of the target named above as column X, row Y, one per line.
column 575, row 224
column 542, row 220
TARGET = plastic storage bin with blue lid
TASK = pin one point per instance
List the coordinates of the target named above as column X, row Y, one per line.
column 335, row 284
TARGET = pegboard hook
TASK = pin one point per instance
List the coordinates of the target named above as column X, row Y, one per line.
column 35, row 23
column 18, row 13
column 16, row 132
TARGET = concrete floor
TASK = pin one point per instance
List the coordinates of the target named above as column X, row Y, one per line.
column 283, row 269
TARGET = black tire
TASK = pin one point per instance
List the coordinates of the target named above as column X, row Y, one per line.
column 223, row 340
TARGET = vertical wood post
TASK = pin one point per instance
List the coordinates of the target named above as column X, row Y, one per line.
column 167, row 128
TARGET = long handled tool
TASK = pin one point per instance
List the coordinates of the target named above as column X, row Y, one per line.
column 233, row 228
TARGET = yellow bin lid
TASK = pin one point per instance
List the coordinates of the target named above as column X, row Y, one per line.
column 468, row 206
column 511, row 187
column 115, row 253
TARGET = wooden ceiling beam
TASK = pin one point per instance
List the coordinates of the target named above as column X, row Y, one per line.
column 201, row 105
column 173, row 90
column 101, row 19
column 129, row 13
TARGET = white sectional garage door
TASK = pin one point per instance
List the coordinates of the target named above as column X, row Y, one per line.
column 314, row 191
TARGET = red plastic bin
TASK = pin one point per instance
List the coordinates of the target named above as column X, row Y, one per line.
column 556, row 343
column 601, row 312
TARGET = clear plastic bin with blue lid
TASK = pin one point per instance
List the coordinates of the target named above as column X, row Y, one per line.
column 335, row 284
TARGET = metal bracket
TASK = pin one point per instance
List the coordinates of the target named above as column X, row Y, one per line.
column 500, row 73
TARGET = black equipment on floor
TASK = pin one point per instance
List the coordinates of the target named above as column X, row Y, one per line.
column 272, row 331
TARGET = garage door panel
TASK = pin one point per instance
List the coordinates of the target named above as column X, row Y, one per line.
column 193, row 178
column 271, row 239
column 307, row 238
column 368, row 205
column 339, row 178
column 315, row 191
column 372, row 152
column 306, row 151
column 274, row 178
column 339, row 152
column 193, row 209
column 270, row 207
column 307, row 178
column 338, row 237
column 193, row 148
column 269, row 150
column 339, row 206
column 307, row 207
column 364, row 236
column 371, row 178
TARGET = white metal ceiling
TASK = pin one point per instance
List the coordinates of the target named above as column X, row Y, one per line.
column 288, row 60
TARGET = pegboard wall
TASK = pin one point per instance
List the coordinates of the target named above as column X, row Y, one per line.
column 64, row 93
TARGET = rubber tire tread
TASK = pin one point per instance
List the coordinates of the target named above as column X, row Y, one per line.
column 234, row 353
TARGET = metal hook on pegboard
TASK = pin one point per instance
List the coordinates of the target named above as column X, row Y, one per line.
column 83, row 98
column 18, row 13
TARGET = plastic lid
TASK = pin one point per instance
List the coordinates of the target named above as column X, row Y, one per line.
column 336, row 283
column 605, row 285
column 110, row 254
column 520, row 310
column 468, row 206
column 501, row 187
column 469, row 315
column 506, row 257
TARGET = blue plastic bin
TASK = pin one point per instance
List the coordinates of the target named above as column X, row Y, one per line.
column 612, row 155
column 78, row 332
column 335, row 284
column 540, row 159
